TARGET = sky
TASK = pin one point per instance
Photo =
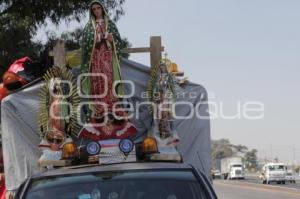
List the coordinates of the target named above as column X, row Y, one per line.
column 240, row 51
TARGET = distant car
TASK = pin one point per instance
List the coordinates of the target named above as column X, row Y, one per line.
column 119, row 181
column 290, row 177
column 216, row 174
column 273, row 172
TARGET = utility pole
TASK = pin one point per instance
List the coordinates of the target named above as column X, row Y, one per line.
column 272, row 152
column 294, row 157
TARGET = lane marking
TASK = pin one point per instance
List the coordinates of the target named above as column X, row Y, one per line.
column 262, row 188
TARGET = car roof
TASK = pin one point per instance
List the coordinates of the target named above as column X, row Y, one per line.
column 275, row 164
column 81, row 169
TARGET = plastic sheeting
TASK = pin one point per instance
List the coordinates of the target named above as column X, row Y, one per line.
column 20, row 135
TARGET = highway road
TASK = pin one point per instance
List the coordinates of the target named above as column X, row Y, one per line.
column 257, row 181
column 226, row 189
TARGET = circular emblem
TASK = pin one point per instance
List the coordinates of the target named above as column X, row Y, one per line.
column 126, row 145
column 93, row 148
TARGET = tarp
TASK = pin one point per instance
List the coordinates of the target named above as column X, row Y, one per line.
column 20, row 135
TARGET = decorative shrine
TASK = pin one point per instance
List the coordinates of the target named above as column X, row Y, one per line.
column 70, row 136
column 84, row 120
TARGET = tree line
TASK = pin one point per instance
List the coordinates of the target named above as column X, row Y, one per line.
column 223, row 148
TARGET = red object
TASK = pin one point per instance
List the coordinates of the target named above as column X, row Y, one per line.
column 3, row 92
column 11, row 77
column 18, row 65
column 15, row 76
column 2, row 187
column 102, row 63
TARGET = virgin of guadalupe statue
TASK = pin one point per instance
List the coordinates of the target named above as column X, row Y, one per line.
column 100, row 49
column 57, row 112
column 161, row 92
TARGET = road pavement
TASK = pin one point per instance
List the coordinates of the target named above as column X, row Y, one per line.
column 255, row 179
column 226, row 189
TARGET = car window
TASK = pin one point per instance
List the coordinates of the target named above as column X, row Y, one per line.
column 179, row 184
column 277, row 168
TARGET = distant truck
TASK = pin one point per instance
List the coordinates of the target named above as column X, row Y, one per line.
column 232, row 168
column 273, row 172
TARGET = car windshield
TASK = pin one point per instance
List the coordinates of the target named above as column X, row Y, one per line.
column 179, row 184
column 289, row 174
column 236, row 165
column 277, row 168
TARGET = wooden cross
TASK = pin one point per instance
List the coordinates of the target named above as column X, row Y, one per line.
column 155, row 49
column 59, row 54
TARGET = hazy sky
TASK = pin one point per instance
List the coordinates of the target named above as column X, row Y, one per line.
column 239, row 50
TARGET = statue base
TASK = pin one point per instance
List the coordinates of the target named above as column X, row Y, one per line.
column 165, row 157
column 110, row 153
column 53, row 163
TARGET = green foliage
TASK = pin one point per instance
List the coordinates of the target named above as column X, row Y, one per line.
column 223, row 148
column 240, row 148
column 297, row 169
column 15, row 37
column 251, row 159
column 56, row 10
column 125, row 44
column 20, row 19
column 73, row 41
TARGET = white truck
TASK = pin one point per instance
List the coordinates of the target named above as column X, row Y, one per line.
column 273, row 172
column 232, row 168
